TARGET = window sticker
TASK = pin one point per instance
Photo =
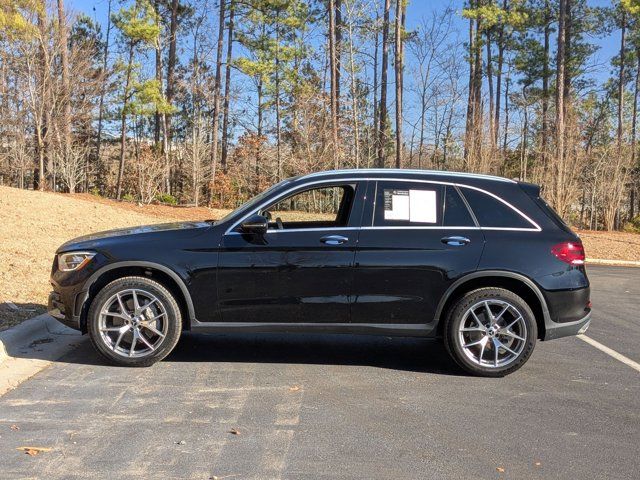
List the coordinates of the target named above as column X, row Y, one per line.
column 396, row 204
column 410, row 205
column 422, row 206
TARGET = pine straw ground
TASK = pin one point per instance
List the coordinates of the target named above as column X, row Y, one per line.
column 34, row 224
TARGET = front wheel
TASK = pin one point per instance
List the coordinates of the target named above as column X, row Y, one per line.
column 134, row 322
column 490, row 332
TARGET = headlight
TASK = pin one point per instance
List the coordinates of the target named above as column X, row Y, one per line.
column 74, row 260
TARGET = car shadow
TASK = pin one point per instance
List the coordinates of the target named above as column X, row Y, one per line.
column 407, row 354
column 399, row 353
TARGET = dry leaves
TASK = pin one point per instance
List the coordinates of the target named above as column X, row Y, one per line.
column 33, row 451
column 234, row 431
column 295, row 388
column 500, row 469
column 15, row 428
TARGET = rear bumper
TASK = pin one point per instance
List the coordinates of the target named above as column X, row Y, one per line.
column 555, row 330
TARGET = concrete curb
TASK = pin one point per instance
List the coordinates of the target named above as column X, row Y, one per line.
column 620, row 263
column 31, row 346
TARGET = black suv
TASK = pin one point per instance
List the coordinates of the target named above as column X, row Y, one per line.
column 481, row 261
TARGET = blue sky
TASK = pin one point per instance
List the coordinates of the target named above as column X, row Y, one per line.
column 599, row 66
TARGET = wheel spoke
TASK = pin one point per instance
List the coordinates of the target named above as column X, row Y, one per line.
column 122, row 333
column 153, row 329
column 123, row 316
column 112, row 329
column 145, row 341
column 472, row 329
column 482, row 341
column 509, row 333
column 482, row 351
column 133, row 343
column 512, row 323
column 500, row 344
column 499, row 316
column 121, row 304
column 495, row 352
column 475, row 317
column 489, row 313
column 136, row 303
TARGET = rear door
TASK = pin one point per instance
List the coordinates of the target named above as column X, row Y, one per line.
column 416, row 239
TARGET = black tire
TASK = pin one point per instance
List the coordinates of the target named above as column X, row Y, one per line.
column 458, row 313
column 164, row 344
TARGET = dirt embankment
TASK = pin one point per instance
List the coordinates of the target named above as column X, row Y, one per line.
column 34, row 224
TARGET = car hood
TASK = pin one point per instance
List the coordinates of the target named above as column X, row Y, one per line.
column 94, row 240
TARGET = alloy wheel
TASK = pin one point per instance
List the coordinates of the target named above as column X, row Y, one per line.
column 492, row 333
column 133, row 323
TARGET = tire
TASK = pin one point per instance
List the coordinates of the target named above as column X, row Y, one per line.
column 155, row 325
column 480, row 342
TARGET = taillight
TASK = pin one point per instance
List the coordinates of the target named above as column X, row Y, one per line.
column 569, row 252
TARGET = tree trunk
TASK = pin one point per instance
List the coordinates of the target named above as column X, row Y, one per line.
column 338, row 51
column 354, row 99
column 216, row 96
column 501, row 48
column 334, row 82
column 382, row 131
column 375, row 122
column 492, row 132
column 470, row 93
column 399, row 32
column 157, row 119
column 105, row 63
column 621, row 82
column 546, row 74
column 171, row 62
column 123, row 124
column 227, row 89
column 66, row 89
column 560, row 107
column 277, row 94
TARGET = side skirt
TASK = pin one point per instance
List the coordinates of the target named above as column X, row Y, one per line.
column 389, row 329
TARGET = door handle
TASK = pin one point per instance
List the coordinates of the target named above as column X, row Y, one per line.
column 455, row 241
column 334, row 240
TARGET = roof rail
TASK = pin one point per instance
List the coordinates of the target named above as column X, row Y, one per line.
column 401, row 171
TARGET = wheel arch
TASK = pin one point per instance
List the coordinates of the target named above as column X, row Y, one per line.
column 514, row 282
column 162, row 274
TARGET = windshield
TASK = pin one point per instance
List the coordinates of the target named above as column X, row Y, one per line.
column 251, row 203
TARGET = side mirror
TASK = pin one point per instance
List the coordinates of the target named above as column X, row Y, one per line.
column 255, row 224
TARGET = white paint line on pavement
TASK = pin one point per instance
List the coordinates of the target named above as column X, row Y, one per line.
column 610, row 352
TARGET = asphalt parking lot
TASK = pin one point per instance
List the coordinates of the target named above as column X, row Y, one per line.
column 353, row 407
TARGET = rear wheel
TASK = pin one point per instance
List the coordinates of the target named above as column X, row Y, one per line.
column 134, row 321
column 490, row 332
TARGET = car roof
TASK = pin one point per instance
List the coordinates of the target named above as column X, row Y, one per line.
column 400, row 172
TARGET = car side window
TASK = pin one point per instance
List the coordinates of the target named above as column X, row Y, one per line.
column 408, row 204
column 326, row 206
column 492, row 213
column 456, row 212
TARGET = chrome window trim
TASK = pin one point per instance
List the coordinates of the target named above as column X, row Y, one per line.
column 536, row 227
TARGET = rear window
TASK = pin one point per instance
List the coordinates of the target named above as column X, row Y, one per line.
column 456, row 213
column 492, row 213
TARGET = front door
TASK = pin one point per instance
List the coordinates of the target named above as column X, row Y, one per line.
column 419, row 237
column 301, row 269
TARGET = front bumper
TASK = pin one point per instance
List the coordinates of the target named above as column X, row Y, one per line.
column 58, row 311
